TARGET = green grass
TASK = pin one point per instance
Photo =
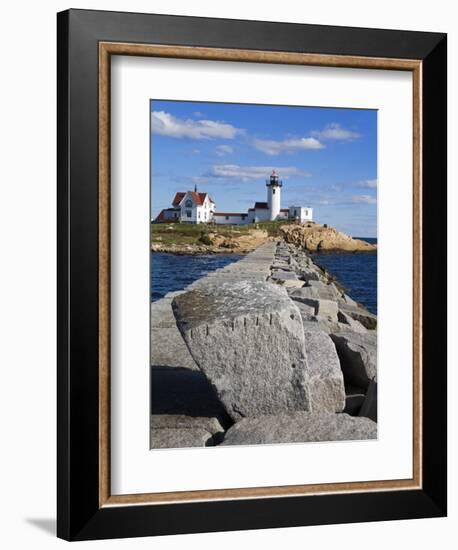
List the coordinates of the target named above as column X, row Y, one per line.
column 189, row 233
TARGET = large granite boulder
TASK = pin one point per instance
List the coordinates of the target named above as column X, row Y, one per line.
column 176, row 438
column 181, row 421
column 176, row 430
column 327, row 390
column 323, row 292
column 248, row 339
column 309, row 275
column 292, row 284
column 169, row 350
column 354, row 325
column 162, row 314
column 358, row 356
column 366, row 318
column 280, row 276
column 300, row 427
column 323, row 309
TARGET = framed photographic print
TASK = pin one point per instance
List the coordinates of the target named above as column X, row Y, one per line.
column 252, row 268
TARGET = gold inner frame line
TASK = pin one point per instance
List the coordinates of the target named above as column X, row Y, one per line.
column 106, row 50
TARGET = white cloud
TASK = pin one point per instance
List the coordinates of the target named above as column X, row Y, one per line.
column 335, row 188
column 335, row 132
column 368, row 184
column 272, row 147
column 246, row 173
column 165, row 124
column 222, row 150
column 364, row 199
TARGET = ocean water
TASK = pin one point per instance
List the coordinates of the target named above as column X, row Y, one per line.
column 170, row 272
column 356, row 272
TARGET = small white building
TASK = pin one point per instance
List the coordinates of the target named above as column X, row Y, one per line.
column 228, row 218
column 194, row 207
column 300, row 214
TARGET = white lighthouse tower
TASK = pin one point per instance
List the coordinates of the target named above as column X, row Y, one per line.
column 274, row 186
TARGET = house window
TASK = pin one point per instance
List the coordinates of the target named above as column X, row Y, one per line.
column 295, row 213
column 273, row 191
column 198, row 215
column 227, row 217
column 188, row 213
column 188, row 203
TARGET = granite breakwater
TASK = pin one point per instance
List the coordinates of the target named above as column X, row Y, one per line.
column 268, row 349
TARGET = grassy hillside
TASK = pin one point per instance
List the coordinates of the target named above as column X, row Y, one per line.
column 188, row 233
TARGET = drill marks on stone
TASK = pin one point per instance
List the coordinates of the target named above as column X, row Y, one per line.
column 250, row 367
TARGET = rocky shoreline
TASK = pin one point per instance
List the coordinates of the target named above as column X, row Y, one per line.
column 265, row 350
column 195, row 250
column 312, row 237
column 322, row 238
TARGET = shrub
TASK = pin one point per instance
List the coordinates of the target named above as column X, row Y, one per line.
column 205, row 239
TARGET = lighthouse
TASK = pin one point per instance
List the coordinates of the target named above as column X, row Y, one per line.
column 274, row 185
column 197, row 207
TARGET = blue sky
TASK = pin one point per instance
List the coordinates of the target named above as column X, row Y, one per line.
column 327, row 158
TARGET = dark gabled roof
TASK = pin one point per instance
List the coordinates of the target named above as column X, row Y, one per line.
column 261, row 206
column 161, row 217
column 178, row 198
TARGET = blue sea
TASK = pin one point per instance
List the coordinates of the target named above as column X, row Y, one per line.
column 170, row 272
column 356, row 272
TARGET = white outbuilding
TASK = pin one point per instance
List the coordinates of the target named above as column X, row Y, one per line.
column 301, row 214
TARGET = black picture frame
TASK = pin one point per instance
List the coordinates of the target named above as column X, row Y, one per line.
column 80, row 516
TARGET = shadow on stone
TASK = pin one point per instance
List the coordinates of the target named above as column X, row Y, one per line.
column 369, row 407
column 354, row 399
column 181, row 391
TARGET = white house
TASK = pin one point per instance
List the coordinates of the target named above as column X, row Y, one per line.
column 194, row 207
column 189, row 207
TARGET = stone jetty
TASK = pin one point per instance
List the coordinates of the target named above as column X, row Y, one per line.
column 265, row 350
